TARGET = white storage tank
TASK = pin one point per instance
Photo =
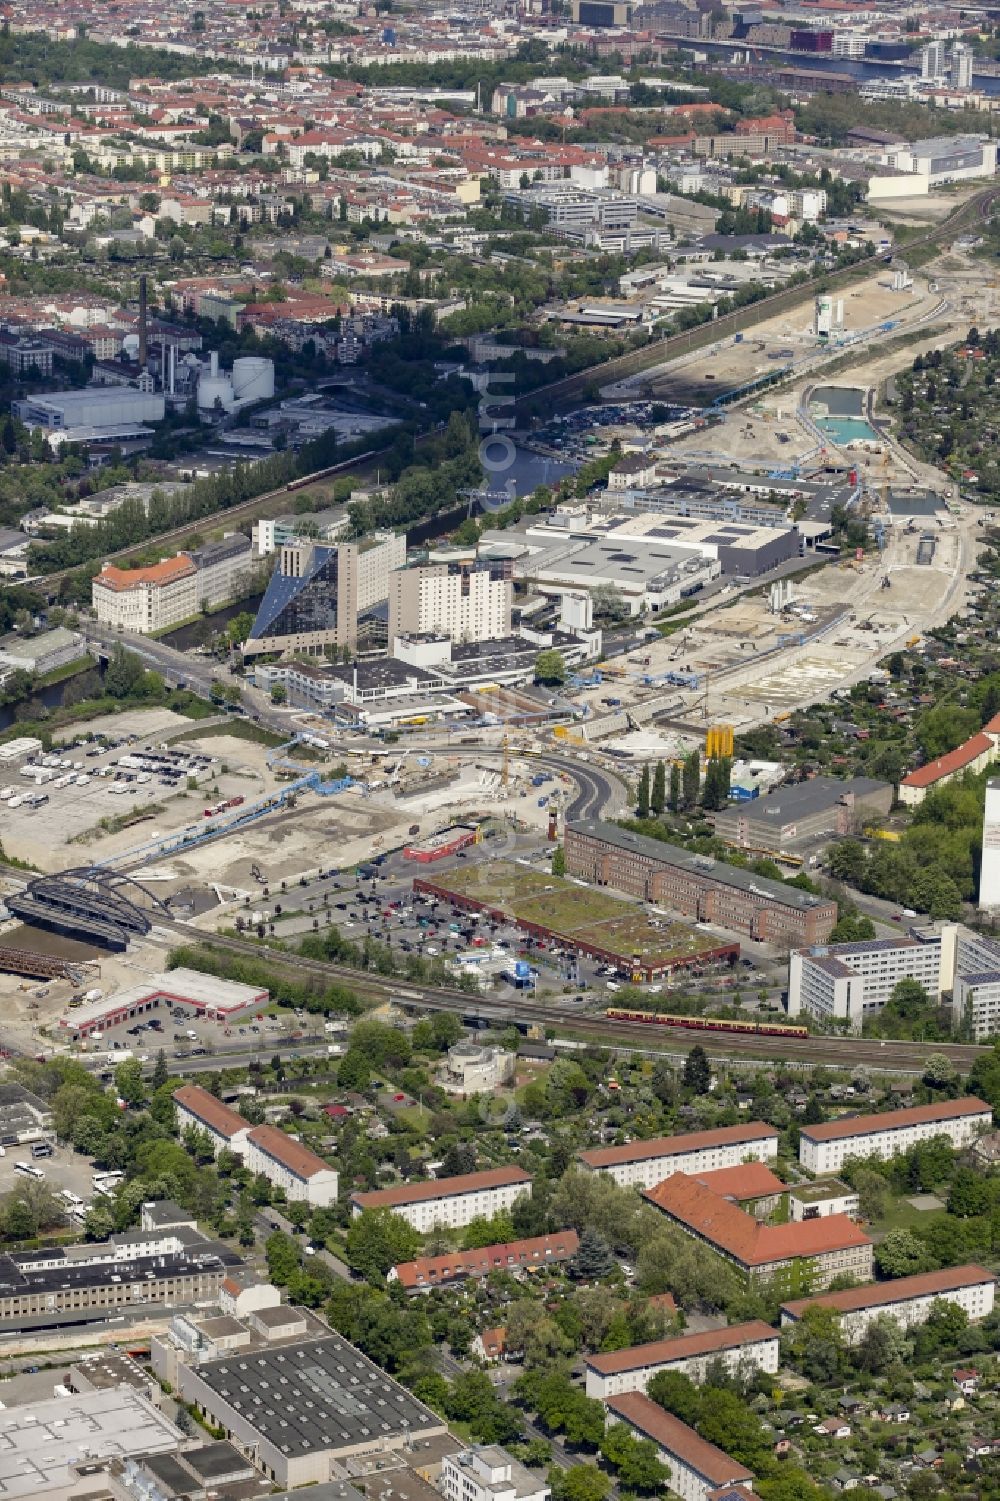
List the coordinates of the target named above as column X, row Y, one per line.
column 253, row 379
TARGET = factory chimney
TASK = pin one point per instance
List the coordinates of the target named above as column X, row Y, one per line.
column 142, row 323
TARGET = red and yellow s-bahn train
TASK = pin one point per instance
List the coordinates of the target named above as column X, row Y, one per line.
column 706, row 1023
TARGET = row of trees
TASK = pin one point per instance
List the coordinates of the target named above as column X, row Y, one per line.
column 680, row 794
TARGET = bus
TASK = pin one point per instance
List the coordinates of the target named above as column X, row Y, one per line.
column 69, row 1198
column 28, row 1170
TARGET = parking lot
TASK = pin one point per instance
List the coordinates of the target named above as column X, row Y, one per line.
column 94, row 783
column 64, row 1169
column 382, row 905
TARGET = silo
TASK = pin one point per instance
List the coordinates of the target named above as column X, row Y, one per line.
column 253, row 379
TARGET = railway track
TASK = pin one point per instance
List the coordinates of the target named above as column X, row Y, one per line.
column 840, row 1052
column 975, row 210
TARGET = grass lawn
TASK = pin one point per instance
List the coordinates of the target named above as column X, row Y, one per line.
column 902, row 1216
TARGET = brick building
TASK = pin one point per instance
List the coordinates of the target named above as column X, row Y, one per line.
column 697, row 885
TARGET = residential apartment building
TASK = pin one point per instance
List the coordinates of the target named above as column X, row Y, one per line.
column 512, row 1256
column 317, row 593
column 805, row 1256
column 854, row 981
column 449, row 1202
column 740, row 1348
column 224, row 569
column 146, row 599
column 825, row 1148
column 697, row 1468
column 975, row 985
column 194, row 1107
column 489, row 1473
column 696, row 885
column 454, row 600
column 284, row 1162
column 643, row 1164
column 908, row 1300
column 287, row 1164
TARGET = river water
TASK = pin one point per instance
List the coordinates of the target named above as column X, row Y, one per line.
column 867, row 70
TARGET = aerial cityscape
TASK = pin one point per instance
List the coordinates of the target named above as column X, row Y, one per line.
column 499, row 750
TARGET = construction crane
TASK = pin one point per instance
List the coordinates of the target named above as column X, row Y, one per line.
column 505, row 769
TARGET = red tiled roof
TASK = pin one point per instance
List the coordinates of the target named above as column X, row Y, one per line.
column 893, row 1120
column 684, row 1347
column 676, row 1438
column 899, row 1290
column 167, row 572
column 441, row 1188
column 751, row 1180
column 434, row 1271
column 739, row 1235
column 216, row 1116
column 291, row 1154
column 946, row 766
column 672, row 1146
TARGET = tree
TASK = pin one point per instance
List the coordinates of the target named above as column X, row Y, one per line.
column 376, row 1240
column 583, row 1482
column 282, row 1258
column 160, row 1071
column 677, row 1394
column 550, row 667
column 658, row 796
column 697, row 1075
column 124, row 674
column 558, row 862
column 901, row 1254
column 691, row 779
column 940, row 1073
column 717, row 775
column 674, row 797
column 642, row 800
column 129, row 1082
column 880, row 1346
column 852, row 927
column 593, row 1259
column 278, row 693
column 639, row 1468
column 872, row 1190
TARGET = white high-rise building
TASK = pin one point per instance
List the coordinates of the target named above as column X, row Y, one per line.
column 932, row 60
column 989, row 873
column 961, row 66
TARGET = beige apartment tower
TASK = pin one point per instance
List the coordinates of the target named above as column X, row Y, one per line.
column 317, row 593
column 443, row 599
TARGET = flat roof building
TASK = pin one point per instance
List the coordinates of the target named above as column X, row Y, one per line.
column 696, row 885
column 305, row 1408
column 697, row 1468
column 643, row 1164
column 42, row 1446
column 741, row 1347
column 825, row 1148
column 791, row 816
column 205, row 996
column 908, row 1300
column 854, row 981
column 450, row 1202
